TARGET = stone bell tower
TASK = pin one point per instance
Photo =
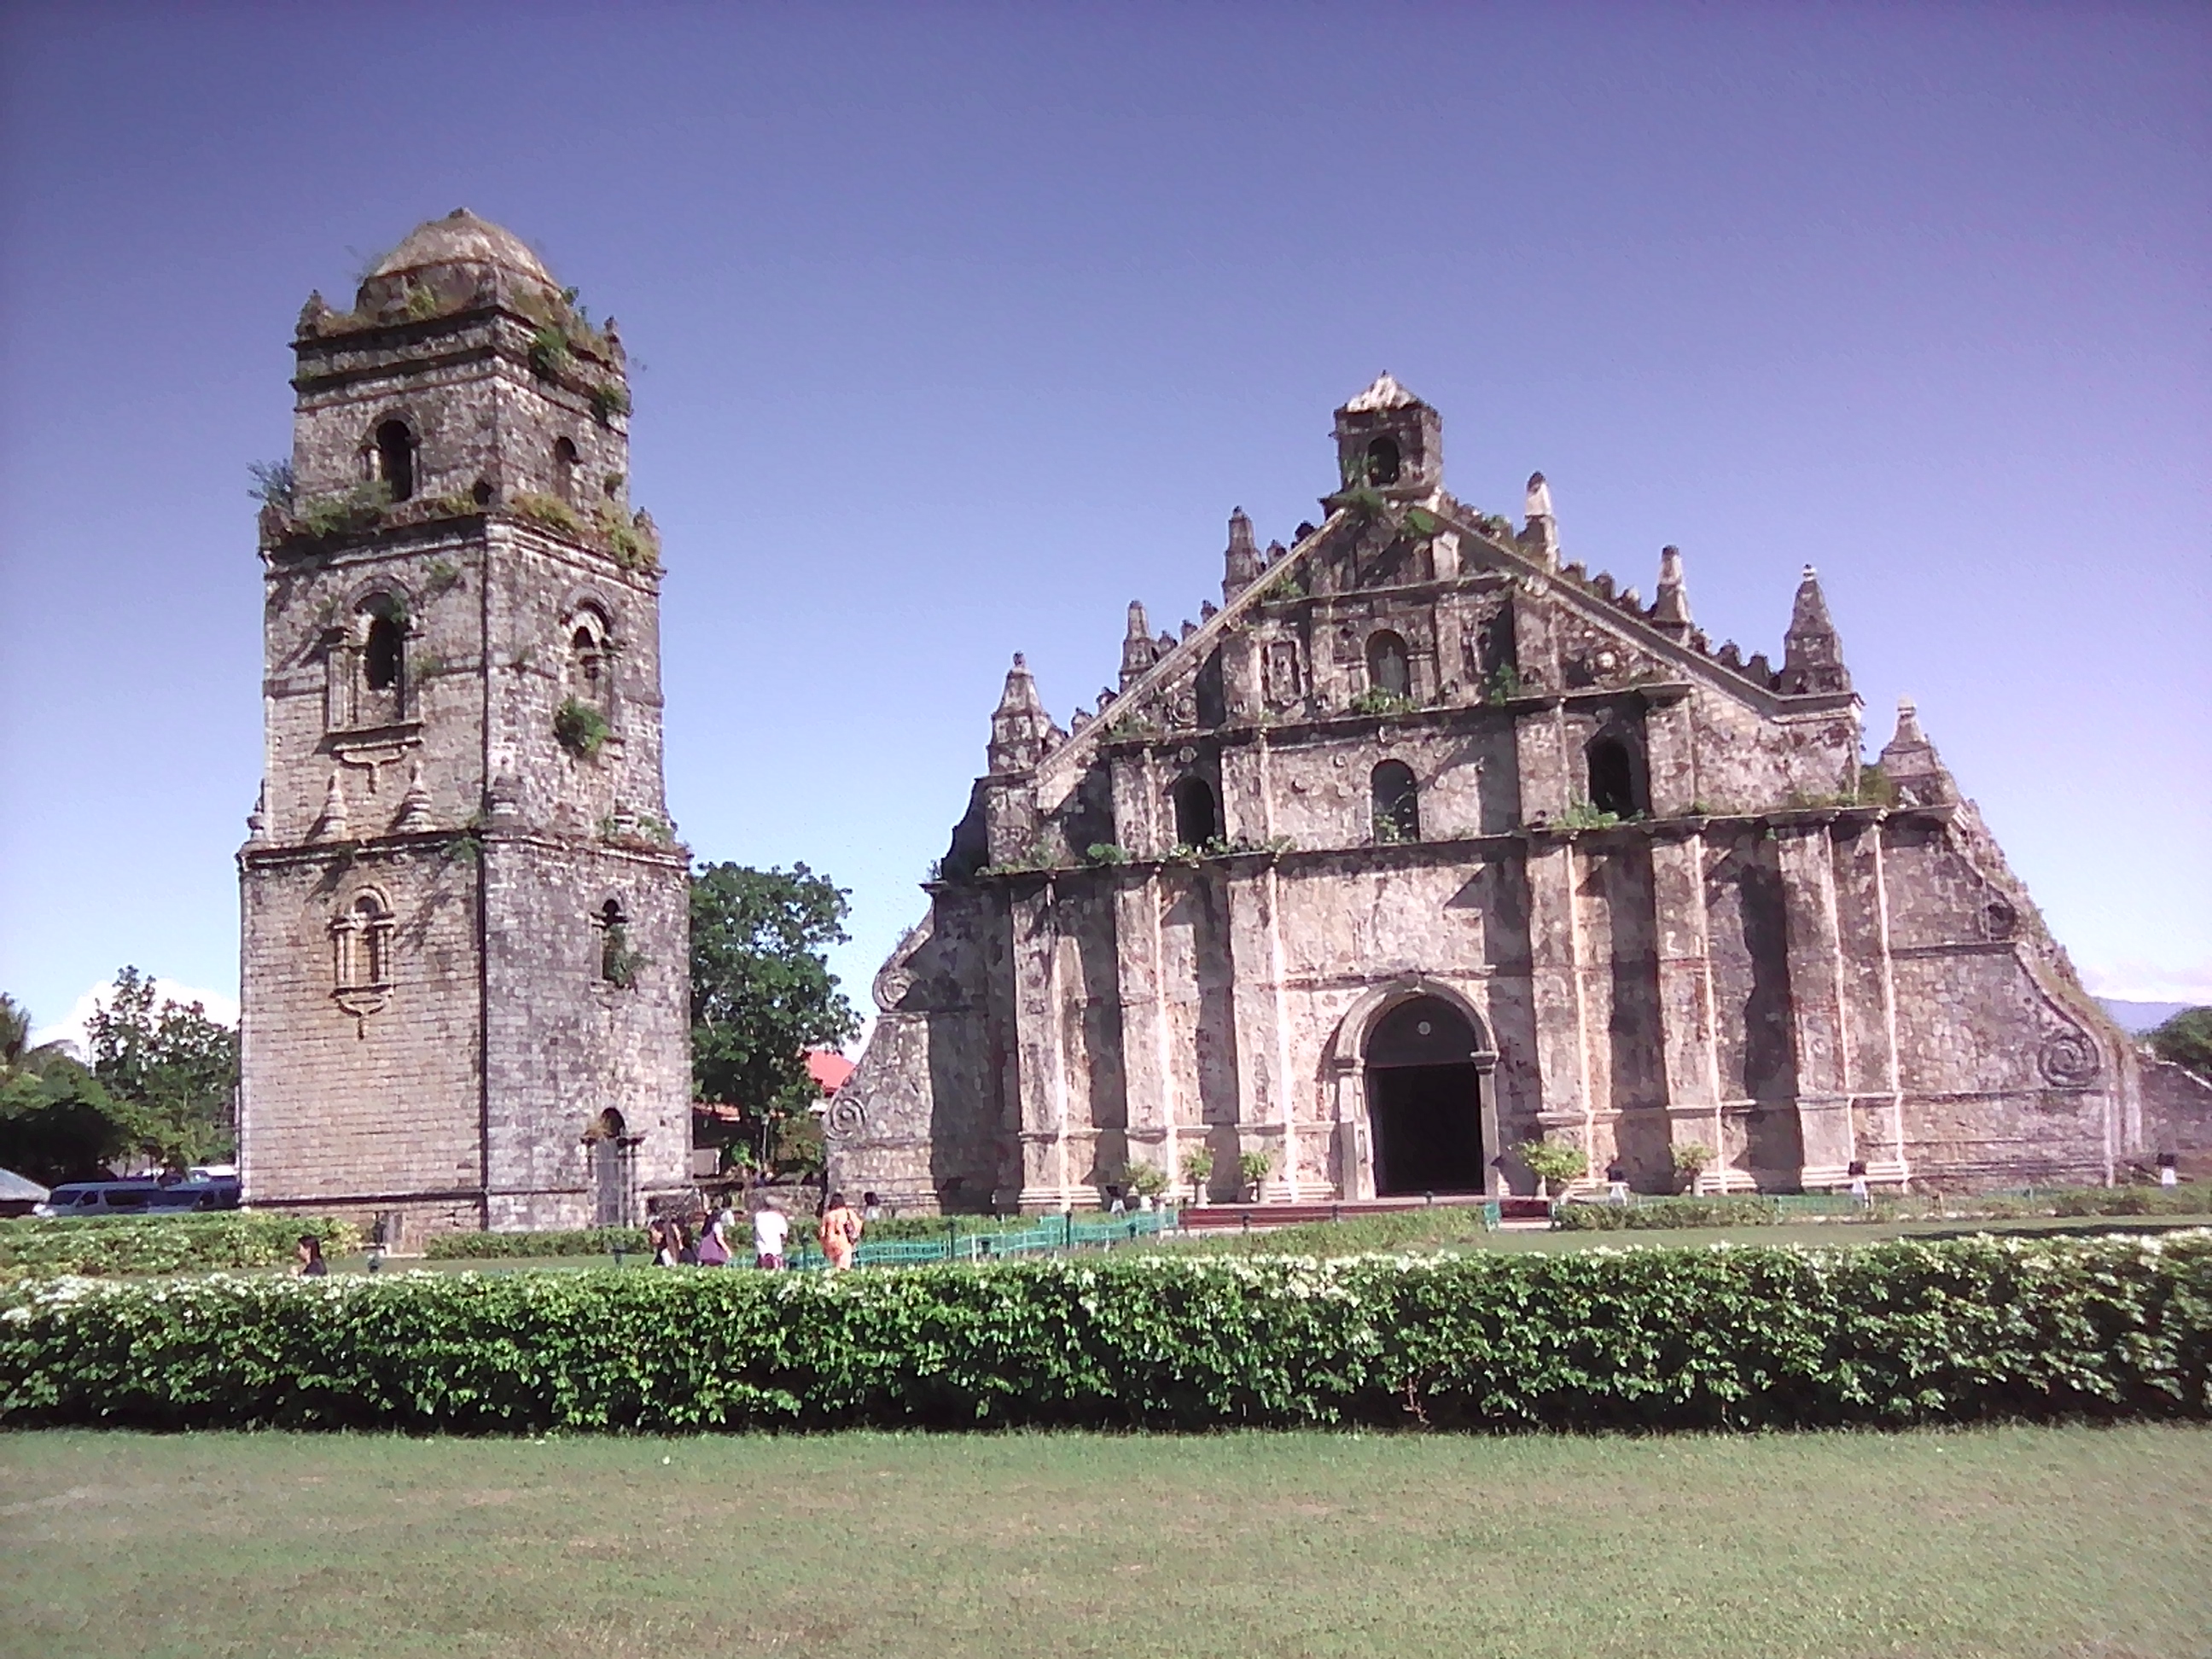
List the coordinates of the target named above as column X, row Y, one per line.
column 466, row 997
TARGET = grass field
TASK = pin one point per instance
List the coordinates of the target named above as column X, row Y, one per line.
column 2014, row 1542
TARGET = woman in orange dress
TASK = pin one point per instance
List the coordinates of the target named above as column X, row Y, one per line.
column 841, row 1232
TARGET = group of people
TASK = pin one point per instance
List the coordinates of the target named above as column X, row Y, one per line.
column 838, row 1227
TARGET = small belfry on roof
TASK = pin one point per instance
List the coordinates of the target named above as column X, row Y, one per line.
column 1385, row 394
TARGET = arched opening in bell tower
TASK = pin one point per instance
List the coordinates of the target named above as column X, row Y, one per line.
column 1424, row 1100
column 383, row 655
column 395, row 459
column 1383, row 462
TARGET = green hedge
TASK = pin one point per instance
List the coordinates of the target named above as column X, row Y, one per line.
column 164, row 1244
column 1720, row 1336
column 586, row 1240
column 1749, row 1210
column 1655, row 1213
column 2195, row 1198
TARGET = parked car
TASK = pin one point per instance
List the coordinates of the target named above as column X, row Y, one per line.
column 91, row 1198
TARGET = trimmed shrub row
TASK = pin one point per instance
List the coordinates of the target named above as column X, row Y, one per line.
column 1652, row 1214
column 164, row 1244
column 483, row 1246
column 2195, row 1198
column 1722, row 1336
column 1751, row 1211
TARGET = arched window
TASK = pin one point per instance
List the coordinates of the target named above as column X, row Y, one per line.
column 591, row 666
column 384, row 657
column 618, row 963
column 1196, row 821
column 395, row 459
column 360, row 945
column 564, row 469
column 1387, row 670
column 1397, row 802
column 1612, row 778
column 1382, row 461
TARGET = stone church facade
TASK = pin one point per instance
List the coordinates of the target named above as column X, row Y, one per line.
column 1423, row 844
column 465, row 997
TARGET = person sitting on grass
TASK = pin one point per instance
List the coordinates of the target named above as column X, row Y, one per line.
column 840, row 1233
column 312, row 1265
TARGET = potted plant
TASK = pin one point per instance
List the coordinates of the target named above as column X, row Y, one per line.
column 1253, row 1168
column 1553, row 1163
column 1197, row 1168
column 1145, row 1182
column 1691, row 1158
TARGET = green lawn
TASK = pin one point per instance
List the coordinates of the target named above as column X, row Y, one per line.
column 2014, row 1542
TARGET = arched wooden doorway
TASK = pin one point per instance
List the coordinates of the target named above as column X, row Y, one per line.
column 1425, row 1102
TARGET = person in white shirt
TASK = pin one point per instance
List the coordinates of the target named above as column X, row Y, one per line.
column 770, row 1227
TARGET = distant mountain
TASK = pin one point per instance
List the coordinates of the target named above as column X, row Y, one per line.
column 2136, row 1018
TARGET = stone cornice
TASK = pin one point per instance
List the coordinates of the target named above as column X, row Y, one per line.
column 263, row 855
column 1508, row 844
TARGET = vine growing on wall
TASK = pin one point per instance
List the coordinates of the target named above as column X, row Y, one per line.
column 580, row 729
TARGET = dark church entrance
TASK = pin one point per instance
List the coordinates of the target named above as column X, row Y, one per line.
column 1425, row 1100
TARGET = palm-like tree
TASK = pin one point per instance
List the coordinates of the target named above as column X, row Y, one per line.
column 18, row 1056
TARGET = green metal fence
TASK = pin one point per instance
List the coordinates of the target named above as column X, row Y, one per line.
column 1050, row 1234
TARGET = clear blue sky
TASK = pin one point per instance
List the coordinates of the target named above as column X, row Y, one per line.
column 956, row 327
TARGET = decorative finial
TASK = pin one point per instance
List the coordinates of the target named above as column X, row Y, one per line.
column 1137, row 652
column 1240, row 565
column 1812, row 652
column 1020, row 729
column 415, row 806
column 1541, row 532
column 1910, row 764
column 331, row 823
column 1670, row 610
